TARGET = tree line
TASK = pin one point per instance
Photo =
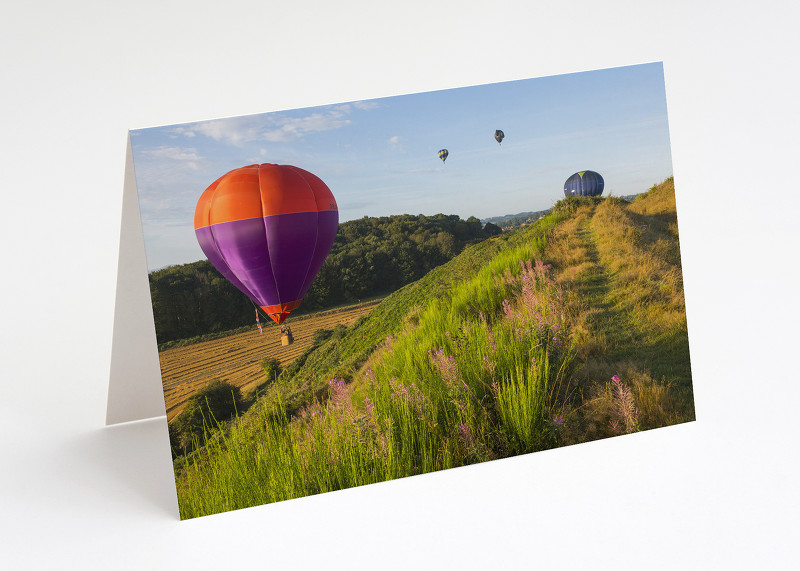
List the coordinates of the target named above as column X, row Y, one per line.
column 369, row 257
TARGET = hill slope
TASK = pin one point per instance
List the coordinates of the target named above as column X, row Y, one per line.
column 567, row 331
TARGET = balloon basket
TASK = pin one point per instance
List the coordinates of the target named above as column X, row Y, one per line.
column 286, row 340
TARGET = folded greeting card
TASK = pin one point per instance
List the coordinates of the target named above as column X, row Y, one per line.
column 363, row 291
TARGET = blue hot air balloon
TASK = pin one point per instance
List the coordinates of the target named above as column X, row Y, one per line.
column 584, row 183
column 443, row 154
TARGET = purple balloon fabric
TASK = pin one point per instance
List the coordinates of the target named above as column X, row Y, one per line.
column 274, row 259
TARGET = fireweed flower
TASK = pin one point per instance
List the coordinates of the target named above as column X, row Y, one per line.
column 398, row 388
column 509, row 313
column 444, row 365
column 465, row 433
column 541, row 269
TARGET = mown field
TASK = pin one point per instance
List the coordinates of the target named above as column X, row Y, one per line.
column 236, row 359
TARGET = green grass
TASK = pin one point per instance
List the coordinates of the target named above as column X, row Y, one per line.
column 509, row 348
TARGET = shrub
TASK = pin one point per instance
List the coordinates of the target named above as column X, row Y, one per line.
column 492, row 229
column 211, row 405
column 339, row 331
column 320, row 335
column 271, row 367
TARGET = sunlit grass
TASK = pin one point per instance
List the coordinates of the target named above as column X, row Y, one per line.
column 568, row 331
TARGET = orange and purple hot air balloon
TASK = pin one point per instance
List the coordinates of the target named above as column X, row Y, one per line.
column 268, row 229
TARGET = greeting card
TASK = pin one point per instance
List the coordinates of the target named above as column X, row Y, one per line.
column 363, row 291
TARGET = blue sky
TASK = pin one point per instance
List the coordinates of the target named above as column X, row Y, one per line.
column 379, row 157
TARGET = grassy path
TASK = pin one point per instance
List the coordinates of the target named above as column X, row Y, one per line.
column 622, row 264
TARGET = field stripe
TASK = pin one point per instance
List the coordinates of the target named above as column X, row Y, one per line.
column 236, row 359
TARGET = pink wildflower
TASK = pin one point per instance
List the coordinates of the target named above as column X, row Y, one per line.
column 541, row 269
column 465, row 433
column 507, row 309
column 444, row 365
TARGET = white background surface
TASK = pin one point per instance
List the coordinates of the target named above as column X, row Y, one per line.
column 719, row 493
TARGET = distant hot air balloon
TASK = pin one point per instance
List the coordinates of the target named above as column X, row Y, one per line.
column 499, row 136
column 443, row 154
column 267, row 229
column 584, row 183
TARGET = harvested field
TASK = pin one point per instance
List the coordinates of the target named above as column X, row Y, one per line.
column 236, row 359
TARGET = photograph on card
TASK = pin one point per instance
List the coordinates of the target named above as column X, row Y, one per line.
column 363, row 291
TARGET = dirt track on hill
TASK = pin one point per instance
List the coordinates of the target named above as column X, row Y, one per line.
column 236, row 359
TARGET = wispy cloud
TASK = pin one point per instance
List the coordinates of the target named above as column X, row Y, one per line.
column 271, row 127
column 422, row 171
column 365, row 105
column 187, row 156
column 236, row 131
column 395, row 143
column 295, row 128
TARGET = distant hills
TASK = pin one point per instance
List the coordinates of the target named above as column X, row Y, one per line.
column 510, row 221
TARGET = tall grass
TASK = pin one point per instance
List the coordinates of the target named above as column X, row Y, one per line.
column 476, row 361
column 445, row 392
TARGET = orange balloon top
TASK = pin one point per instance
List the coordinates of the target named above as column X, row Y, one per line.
column 256, row 191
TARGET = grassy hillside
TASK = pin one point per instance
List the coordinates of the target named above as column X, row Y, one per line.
column 567, row 331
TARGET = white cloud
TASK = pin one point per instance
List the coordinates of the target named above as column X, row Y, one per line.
column 272, row 127
column 396, row 144
column 365, row 105
column 423, row 171
column 235, row 131
column 296, row 127
column 188, row 156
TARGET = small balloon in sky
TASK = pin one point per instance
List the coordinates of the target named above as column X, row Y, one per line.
column 443, row 154
column 499, row 136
